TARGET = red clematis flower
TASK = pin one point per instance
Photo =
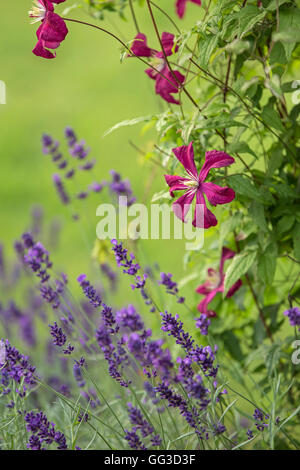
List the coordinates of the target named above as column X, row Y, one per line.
column 163, row 87
column 215, row 284
column 181, row 6
column 194, row 185
column 51, row 32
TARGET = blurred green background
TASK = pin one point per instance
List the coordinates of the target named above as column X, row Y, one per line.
column 85, row 87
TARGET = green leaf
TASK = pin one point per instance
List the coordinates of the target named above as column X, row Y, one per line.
column 271, row 116
column 161, row 195
column 206, row 47
column 219, row 123
column 296, row 241
column 275, row 161
column 248, row 17
column 276, row 3
column 257, row 213
column 240, row 265
column 289, row 30
column 232, row 345
column 241, row 147
column 228, row 226
column 128, row 122
column 272, row 357
column 267, row 264
column 285, row 224
column 278, row 55
column 244, row 186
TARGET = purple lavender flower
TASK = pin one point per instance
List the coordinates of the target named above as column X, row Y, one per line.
column 174, row 327
column 96, row 187
column 121, row 188
column 128, row 318
column 70, row 136
column 109, row 319
column 58, row 335
column 69, row 349
column 171, row 286
column 16, row 365
column 64, row 197
column 128, row 264
column 50, row 147
column 27, row 330
column 139, row 422
column 89, row 165
column 133, row 440
column 50, row 296
column 81, row 362
column 261, row 419
column 83, row 417
column 28, row 240
column 176, row 400
column 78, row 375
column 294, row 316
column 69, row 174
column 203, row 323
column 115, row 356
column 82, row 195
column 219, row 428
column 37, row 258
column 43, row 432
column 89, row 291
column 78, row 150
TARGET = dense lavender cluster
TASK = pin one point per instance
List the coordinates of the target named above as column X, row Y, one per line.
column 43, row 432
column 115, row 355
column 59, row 338
column 37, row 258
column 128, row 319
column 174, row 327
column 141, row 425
column 293, row 315
column 176, row 400
column 133, row 440
column 171, row 286
column 15, row 366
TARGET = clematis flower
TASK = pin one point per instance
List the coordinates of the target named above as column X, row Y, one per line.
column 215, row 284
column 194, row 186
column 163, row 86
column 181, row 6
column 51, row 32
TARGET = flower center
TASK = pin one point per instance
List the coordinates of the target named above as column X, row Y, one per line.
column 191, row 183
column 158, row 63
column 214, row 279
column 38, row 12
